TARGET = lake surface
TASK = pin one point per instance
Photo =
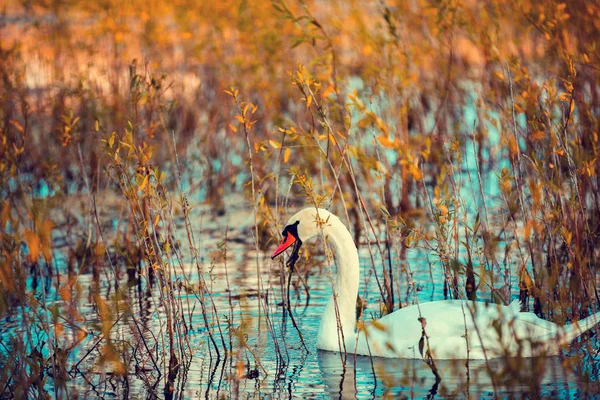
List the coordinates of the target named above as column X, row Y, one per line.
column 296, row 373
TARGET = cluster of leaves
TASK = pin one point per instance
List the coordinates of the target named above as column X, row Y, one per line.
column 391, row 106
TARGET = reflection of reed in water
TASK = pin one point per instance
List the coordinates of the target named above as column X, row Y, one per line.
column 365, row 377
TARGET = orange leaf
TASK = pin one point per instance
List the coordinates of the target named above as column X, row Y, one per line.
column 330, row 89
column 513, row 147
column 525, row 281
column 59, row 329
column 65, row 292
column 17, row 125
column 386, row 142
column 45, row 235
column 364, row 122
column 5, row 214
column 537, row 135
column 34, row 245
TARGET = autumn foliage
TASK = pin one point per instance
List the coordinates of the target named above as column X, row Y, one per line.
column 464, row 127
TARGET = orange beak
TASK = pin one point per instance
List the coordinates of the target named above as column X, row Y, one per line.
column 287, row 241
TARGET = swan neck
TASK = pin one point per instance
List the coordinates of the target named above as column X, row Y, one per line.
column 345, row 285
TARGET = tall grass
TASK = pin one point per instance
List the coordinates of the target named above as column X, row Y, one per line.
column 468, row 130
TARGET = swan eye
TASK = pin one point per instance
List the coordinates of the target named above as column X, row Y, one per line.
column 291, row 229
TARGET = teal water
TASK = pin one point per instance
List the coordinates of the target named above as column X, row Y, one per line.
column 297, row 373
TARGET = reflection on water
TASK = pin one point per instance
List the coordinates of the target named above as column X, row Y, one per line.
column 296, row 373
column 320, row 374
column 364, row 377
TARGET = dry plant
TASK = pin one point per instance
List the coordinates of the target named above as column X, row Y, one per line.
column 463, row 131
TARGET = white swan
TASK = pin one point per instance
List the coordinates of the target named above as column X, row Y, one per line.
column 454, row 329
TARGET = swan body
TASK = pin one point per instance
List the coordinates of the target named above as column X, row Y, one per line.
column 448, row 329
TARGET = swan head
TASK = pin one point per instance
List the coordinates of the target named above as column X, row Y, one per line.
column 302, row 226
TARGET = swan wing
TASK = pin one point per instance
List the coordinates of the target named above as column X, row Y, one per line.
column 399, row 334
column 451, row 329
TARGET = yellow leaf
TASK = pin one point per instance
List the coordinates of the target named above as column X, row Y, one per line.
column 360, row 326
column 525, row 281
column 443, row 209
column 144, row 183
column 275, row 144
column 586, row 58
column 309, row 101
column 233, row 128
column 286, row 155
column 382, row 127
column 364, row 123
column 17, row 125
column 567, row 235
column 332, row 138
column 415, row 172
column 239, row 118
column 385, row 142
column 506, row 185
column 378, row 325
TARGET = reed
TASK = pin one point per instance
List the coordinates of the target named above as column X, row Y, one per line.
column 465, row 133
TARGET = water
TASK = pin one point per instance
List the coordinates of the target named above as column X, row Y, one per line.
column 322, row 374
column 297, row 373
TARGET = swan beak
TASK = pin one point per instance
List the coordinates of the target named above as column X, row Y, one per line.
column 287, row 241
